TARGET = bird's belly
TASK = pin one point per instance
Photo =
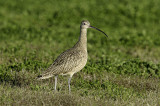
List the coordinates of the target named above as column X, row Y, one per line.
column 78, row 67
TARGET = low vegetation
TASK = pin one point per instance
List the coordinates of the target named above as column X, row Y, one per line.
column 123, row 69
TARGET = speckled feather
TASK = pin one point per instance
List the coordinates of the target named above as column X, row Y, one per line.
column 72, row 60
column 67, row 62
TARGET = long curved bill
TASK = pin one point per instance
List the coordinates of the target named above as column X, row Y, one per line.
column 98, row 30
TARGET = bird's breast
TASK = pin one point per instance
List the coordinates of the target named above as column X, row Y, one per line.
column 81, row 64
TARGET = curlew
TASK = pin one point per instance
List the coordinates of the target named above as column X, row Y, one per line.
column 72, row 60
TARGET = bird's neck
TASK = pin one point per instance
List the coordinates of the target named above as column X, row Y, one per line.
column 83, row 39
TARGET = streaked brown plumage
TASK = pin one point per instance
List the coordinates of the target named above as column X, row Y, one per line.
column 73, row 59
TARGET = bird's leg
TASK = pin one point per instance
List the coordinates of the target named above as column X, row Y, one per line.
column 55, row 82
column 69, row 81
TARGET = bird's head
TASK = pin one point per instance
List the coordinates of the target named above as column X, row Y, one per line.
column 86, row 24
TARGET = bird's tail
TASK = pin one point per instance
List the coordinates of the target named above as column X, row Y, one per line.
column 40, row 77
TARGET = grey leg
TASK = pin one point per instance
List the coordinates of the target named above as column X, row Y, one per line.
column 69, row 81
column 55, row 82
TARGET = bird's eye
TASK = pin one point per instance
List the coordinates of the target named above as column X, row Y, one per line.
column 84, row 23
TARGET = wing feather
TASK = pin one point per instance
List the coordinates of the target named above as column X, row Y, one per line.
column 65, row 62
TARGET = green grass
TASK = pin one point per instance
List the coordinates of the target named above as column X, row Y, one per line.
column 123, row 69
